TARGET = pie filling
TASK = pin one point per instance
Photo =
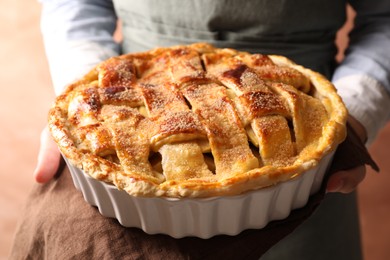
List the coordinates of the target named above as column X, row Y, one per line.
column 189, row 113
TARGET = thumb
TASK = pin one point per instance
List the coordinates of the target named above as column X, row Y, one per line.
column 48, row 158
column 346, row 181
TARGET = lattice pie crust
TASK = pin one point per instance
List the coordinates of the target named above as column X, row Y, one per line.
column 197, row 121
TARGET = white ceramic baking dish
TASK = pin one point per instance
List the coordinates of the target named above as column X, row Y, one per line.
column 203, row 217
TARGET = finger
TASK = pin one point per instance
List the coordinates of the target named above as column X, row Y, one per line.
column 48, row 158
column 346, row 181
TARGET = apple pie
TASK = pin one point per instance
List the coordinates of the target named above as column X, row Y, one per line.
column 197, row 121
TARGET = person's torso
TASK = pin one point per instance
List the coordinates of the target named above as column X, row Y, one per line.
column 302, row 30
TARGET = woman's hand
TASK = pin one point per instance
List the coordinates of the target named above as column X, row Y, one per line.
column 348, row 180
column 48, row 158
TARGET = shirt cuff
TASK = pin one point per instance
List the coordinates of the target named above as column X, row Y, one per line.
column 367, row 101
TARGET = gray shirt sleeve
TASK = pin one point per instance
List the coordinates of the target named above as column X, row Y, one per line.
column 363, row 78
column 369, row 46
column 77, row 35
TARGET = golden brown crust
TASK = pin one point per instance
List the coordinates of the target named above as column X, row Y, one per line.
column 197, row 121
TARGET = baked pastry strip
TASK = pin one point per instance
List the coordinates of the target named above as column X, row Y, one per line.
column 177, row 134
column 116, row 72
column 186, row 67
column 131, row 134
column 306, row 125
column 97, row 139
column 84, row 107
column 275, row 145
column 304, row 130
column 267, row 70
column 268, row 115
column 228, row 141
column 259, row 106
column 117, row 79
column 83, row 111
